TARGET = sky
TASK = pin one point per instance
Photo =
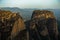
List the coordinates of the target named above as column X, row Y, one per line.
column 53, row 4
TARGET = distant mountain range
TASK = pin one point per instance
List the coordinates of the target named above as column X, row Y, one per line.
column 27, row 13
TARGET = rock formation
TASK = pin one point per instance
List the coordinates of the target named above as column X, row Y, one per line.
column 44, row 23
column 42, row 26
column 10, row 25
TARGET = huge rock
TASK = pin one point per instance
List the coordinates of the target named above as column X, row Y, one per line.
column 10, row 25
column 44, row 23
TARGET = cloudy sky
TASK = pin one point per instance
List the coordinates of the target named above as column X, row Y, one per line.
column 31, row 3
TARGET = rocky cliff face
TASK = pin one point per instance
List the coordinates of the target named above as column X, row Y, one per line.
column 10, row 24
column 44, row 22
column 42, row 26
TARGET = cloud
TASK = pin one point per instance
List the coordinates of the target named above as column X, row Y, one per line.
column 31, row 3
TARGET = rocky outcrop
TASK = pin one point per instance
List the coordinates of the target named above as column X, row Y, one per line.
column 42, row 26
column 44, row 23
column 10, row 25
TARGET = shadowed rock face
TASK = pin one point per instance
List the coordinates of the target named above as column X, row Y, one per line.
column 45, row 24
column 10, row 25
